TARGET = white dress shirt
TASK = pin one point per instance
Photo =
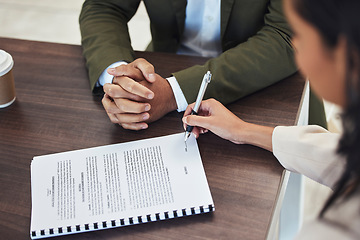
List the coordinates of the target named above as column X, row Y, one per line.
column 201, row 37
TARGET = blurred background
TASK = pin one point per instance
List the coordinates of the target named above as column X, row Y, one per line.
column 57, row 21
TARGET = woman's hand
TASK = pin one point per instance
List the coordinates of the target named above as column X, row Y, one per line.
column 213, row 116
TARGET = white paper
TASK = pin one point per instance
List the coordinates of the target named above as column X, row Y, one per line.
column 115, row 183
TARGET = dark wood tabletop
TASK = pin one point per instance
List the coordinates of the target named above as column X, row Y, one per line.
column 55, row 111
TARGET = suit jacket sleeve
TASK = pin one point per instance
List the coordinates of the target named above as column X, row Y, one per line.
column 105, row 35
column 262, row 60
column 309, row 150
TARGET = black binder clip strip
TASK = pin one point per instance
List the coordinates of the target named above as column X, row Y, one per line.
column 175, row 214
column 60, row 230
column 148, row 217
column 210, row 208
column 87, row 227
column 42, row 232
column 78, row 228
column 68, row 229
column 157, row 216
column 104, row 224
column 201, row 209
column 113, row 223
column 139, row 219
column 193, row 211
column 166, row 215
column 51, row 231
column 96, row 226
column 131, row 221
column 33, row 234
column 184, row 212
column 122, row 222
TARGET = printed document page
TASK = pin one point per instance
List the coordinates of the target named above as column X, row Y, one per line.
column 119, row 181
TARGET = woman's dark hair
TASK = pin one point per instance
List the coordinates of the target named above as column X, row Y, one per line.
column 335, row 20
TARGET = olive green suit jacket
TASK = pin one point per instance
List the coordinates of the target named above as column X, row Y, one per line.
column 255, row 38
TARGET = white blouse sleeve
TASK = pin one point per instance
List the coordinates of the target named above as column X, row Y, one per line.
column 309, row 150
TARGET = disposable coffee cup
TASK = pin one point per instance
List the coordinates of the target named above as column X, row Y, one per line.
column 7, row 85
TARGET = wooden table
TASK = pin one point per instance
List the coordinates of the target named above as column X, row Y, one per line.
column 55, row 111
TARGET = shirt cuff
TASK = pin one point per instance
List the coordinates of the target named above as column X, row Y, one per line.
column 179, row 95
column 107, row 78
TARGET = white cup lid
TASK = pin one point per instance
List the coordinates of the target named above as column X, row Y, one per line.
column 6, row 62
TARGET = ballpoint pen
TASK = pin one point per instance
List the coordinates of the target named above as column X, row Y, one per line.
column 206, row 80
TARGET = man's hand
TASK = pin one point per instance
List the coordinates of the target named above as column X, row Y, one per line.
column 137, row 95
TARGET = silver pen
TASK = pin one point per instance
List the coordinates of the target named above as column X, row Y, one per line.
column 206, row 80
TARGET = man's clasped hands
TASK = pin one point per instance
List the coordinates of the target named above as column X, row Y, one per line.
column 131, row 99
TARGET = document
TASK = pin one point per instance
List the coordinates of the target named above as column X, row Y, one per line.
column 117, row 185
